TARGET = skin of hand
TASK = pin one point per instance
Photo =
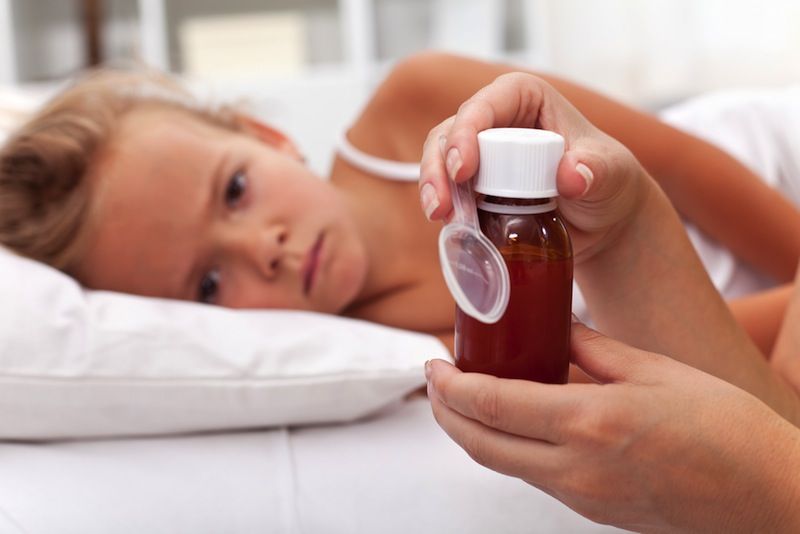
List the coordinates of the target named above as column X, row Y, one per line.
column 653, row 446
column 601, row 178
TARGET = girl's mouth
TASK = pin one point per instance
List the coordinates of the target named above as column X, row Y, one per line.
column 311, row 264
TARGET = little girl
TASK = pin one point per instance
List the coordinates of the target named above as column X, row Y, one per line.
column 128, row 184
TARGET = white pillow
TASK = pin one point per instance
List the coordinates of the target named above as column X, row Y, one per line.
column 76, row 363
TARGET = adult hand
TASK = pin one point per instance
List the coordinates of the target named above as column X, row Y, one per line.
column 654, row 445
column 600, row 182
column 637, row 269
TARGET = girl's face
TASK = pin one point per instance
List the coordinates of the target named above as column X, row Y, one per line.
column 183, row 209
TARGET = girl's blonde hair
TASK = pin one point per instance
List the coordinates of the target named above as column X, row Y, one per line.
column 44, row 195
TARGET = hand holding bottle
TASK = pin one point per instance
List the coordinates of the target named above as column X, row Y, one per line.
column 600, row 182
column 654, row 445
column 640, row 276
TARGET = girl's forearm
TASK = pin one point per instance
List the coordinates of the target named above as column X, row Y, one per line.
column 733, row 205
column 723, row 197
column 650, row 290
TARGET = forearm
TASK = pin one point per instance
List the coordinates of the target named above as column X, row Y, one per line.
column 705, row 184
column 650, row 290
column 734, row 206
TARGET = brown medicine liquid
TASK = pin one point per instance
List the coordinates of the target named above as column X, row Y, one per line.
column 531, row 340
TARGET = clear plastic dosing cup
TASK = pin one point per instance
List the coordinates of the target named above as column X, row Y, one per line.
column 473, row 268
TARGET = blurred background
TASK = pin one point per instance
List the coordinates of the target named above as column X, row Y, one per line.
column 298, row 62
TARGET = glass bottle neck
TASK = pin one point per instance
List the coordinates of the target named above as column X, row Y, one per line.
column 515, row 206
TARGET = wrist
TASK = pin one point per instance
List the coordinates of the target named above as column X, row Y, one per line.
column 648, row 288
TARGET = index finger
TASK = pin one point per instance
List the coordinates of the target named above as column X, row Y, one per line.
column 530, row 409
column 433, row 182
column 537, row 462
column 512, row 100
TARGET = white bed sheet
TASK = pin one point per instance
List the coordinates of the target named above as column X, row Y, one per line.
column 395, row 472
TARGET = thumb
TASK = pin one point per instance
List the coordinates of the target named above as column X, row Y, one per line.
column 607, row 360
column 577, row 172
column 599, row 184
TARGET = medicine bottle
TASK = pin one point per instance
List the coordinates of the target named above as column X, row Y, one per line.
column 516, row 186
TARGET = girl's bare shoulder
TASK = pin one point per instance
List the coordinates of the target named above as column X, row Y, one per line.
column 412, row 99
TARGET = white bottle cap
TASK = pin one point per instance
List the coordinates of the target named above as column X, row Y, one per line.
column 518, row 162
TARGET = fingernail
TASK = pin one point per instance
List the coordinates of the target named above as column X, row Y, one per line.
column 586, row 172
column 453, row 162
column 575, row 318
column 442, row 144
column 430, row 201
column 428, row 370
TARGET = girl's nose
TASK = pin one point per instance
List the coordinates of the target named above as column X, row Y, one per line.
column 262, row 249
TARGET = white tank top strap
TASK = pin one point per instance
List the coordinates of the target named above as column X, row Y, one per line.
column 385, row 168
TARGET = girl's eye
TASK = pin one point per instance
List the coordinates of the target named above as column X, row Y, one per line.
column 235, row 188
column 209, row 287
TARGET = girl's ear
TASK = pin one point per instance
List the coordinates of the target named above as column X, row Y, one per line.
column 269, row 135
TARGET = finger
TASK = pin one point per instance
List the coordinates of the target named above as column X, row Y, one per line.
column 597, row 183
column 497, row 104
column 577, row 171
column 530, row 459
column 529, row 409
column 585, row 191
column 434, row 184
column 512, row 100
column 610, row 361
